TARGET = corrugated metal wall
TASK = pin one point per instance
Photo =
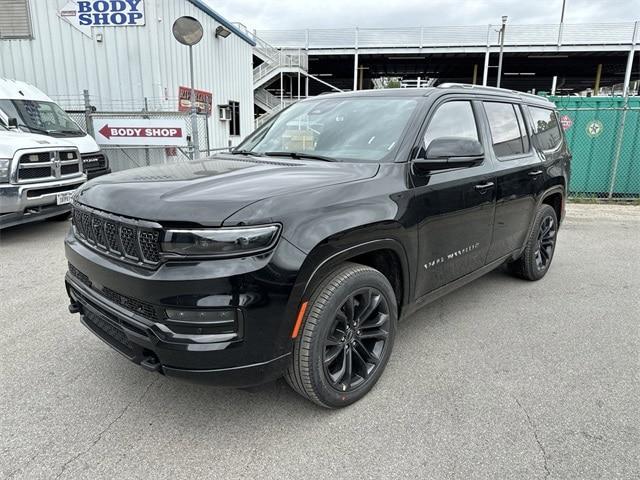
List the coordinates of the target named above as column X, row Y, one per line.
column 132, row 63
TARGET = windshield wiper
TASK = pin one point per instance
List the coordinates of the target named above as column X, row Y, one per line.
column 35, row 129
column 245, row 152
column 72, row 132
column 298, row 155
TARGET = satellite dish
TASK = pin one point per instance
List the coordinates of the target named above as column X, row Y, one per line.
column 187, row 30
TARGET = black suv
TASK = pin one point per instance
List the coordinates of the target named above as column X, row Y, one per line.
column 297, row 253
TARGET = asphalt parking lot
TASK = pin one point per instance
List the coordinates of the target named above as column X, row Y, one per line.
column 501, row 379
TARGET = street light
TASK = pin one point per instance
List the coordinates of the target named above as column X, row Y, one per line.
column 222, row 32
column 188, row 31
column 502, row 30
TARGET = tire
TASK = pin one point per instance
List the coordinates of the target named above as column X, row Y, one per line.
column 60, row 218
column 344, row 294
column 536, row 258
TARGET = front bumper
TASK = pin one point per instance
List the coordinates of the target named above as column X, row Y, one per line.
column 256, row 352
column 33, row 201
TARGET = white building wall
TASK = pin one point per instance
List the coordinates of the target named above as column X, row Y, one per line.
column 132, row 63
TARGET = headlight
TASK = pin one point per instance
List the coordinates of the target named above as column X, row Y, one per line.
column 220, row 242
column 5, row 166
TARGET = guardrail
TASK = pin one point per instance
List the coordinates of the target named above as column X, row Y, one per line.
column 463, row 36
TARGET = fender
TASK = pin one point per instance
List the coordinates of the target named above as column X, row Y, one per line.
column 546, row 193
column 325, row 257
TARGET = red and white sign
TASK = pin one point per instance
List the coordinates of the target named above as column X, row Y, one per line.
column 140, row 131
column 204, row 100
column 566, row 122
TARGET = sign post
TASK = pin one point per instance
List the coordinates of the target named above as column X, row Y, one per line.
column 188, row 31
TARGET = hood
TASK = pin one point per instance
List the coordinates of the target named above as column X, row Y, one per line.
column 11, row 141
column 86, row 144
column 208, row 191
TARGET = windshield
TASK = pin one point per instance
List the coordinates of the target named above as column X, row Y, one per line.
column 41, row 117
column 361, row 129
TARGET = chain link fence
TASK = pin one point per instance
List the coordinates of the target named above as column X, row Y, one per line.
column 123, row 157
column 604, row 137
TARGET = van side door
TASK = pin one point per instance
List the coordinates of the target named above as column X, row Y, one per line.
column 453, row 208
column 519, row 175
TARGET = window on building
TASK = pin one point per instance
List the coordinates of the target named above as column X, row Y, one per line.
column 452, row 119
column 508, row 131
column 234, row 123
column 545, row 128
column 15, row 21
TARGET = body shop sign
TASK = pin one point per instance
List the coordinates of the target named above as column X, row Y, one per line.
column 104, row 13
column 140, row 132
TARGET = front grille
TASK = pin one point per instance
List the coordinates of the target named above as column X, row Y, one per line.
column 129, row 240
column 38, row 192
column 32, row 173
column 70, row 169
column 137, row 306
column 29, row 158
column 112, row 334
column 94, row 162
column 45, row 165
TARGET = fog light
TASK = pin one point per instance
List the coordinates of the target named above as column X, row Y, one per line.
column 202, row 317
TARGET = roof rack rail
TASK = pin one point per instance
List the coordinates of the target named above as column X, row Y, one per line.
column 486, row 87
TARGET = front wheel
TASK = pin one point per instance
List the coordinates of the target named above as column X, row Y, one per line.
column 536, row 258
column 346, row 337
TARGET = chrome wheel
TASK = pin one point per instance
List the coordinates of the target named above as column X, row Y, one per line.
column 356, row 340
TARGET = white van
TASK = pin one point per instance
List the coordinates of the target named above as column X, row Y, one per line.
column 26, row 108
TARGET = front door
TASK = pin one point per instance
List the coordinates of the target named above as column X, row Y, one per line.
column 455, row 208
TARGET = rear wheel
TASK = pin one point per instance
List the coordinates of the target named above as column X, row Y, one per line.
column 535, row 261
column 346, row 337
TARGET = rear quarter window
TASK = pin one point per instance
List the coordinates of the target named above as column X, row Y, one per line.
column 546, row 130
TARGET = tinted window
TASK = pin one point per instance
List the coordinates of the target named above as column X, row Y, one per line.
column 453, row 119
column 507, row 129
column 546, row 128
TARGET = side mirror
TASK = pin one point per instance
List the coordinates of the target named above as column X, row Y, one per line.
column 12, row 122
column 449, row 152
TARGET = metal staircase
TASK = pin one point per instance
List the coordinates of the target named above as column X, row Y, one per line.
column 275, row 61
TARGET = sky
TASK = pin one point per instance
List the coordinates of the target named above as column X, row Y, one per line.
column 291, row 14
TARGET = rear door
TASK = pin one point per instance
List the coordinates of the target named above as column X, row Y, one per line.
column 454, row 208
column 519, row 175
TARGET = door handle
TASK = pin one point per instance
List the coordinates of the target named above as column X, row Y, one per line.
column 535, row 173
column 483, row 186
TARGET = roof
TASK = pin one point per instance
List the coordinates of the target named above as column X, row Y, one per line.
column 223, row 21
column 451, row 87
column 16, row 90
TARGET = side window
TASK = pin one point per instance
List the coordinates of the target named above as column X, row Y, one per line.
column 452, row 119
column 546, row 128
column 508, row 132
column 234, row 124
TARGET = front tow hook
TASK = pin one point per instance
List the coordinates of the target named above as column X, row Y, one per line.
column 75, row 307
column 150, row 363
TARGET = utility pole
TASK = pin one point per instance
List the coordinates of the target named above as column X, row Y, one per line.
column 502, row 30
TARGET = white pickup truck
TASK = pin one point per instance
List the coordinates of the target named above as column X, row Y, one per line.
column 38, row 175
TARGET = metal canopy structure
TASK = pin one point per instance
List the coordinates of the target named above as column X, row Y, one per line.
column 457, row 39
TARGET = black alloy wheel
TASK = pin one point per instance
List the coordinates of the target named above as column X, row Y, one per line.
column 535, row 260
column 546, row 242
column 356, row 340
column 346, row 337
